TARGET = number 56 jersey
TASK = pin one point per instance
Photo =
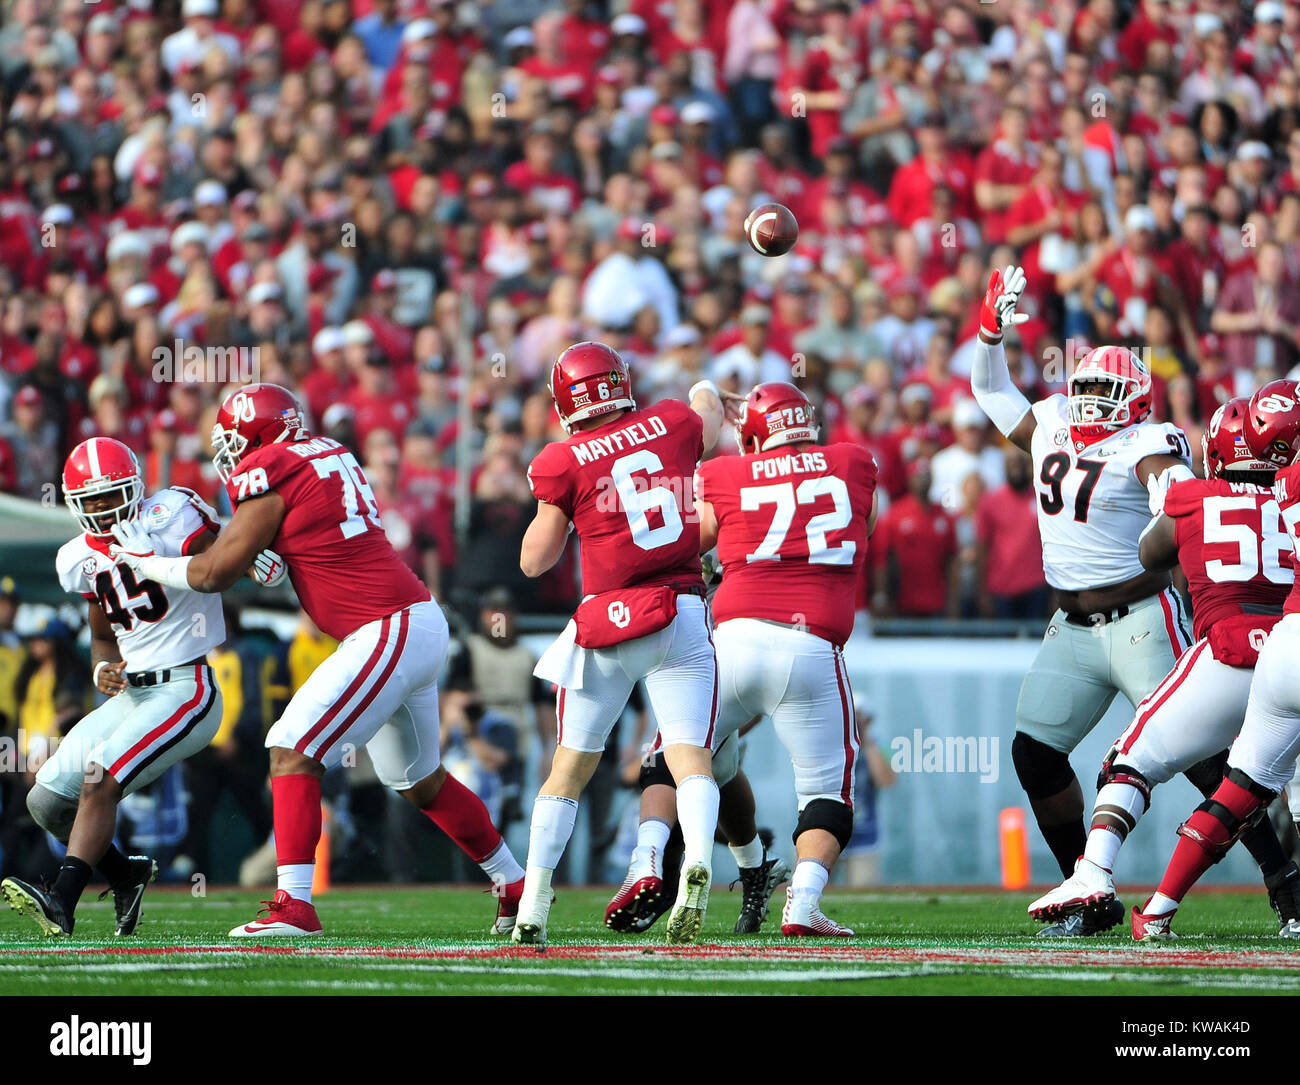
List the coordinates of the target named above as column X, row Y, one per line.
column 156, row 627
column 1091, row 505
column 341, row 564
column 792, row 534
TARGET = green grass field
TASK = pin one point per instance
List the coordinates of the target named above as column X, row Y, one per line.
column 432, row 941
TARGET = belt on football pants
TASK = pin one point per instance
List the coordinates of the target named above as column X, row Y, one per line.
column 157, row 678
column 1104, row 617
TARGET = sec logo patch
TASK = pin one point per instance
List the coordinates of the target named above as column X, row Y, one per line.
column 88, row 568
column 1062, row 435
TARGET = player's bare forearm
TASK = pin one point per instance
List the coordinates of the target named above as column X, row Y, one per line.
column 1158, row 549
column 103, row 642
column 707, row 403
column 252, row 529
column 544, row 540
column 708, row 525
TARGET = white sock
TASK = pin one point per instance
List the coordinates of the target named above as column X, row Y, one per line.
column 648, row 855
column 295, row 879
column 749, row 855
column 1102, row 848
column 697, row 813
column 501, row 866
column 1160, row 905
column 810, row 878
column 553, row 818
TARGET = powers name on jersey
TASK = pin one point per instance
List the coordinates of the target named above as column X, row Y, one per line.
column 1091, row 506
column 156, row 627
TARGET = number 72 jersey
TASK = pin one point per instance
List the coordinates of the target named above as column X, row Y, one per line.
column 1091, row 505
column 342, row 566
column 155, row 627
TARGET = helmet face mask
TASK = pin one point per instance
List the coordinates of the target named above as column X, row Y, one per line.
column 102, row 485
column 227, row 448
column 1109, row 389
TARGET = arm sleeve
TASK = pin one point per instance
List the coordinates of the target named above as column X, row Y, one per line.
column 994, row 390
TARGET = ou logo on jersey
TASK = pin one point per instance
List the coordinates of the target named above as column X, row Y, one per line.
column 619, row 613
column 1275, row 403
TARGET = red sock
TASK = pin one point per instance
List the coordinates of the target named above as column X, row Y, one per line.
column 295, row 801
column 1192, row 856
column 459, row 813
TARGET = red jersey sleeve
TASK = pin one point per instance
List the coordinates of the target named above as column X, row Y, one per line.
column 551, row 480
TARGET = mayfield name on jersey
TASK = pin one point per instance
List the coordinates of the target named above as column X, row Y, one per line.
column 1092, row 507
column 156, row 627
column 341, row 564
column 792, row 534
column 626, row 487
column 1232, row 546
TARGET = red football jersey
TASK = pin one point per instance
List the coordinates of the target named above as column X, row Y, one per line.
column 626, row 486
column 1233, row 549
column 1286, row 489
column 792, row 534
column 342, row 566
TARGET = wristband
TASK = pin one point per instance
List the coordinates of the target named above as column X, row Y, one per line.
column 169, row 572
column 704, row 384
column 94, row 677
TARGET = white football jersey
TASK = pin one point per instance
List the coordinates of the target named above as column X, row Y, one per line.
column 156, row 627
column 1091, row 505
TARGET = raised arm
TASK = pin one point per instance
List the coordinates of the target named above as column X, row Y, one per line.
column 544, row 540
column 990, row 379
column 706, row 401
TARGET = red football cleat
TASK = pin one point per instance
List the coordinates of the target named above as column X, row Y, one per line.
column 631, row 898
column 282, row 917
column 802, row 918
column 1152, row 928
column 508, row 907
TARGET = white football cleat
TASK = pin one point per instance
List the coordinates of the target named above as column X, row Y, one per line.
column 687, row 917
column 803, row 918
column 530, row 923
column 1087, row 886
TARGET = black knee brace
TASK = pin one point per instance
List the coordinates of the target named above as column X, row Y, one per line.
column 1206, row 775
column 1042, row 771
column 828, row 815
column 655, row 771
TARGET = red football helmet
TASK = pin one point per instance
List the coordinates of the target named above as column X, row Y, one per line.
column 775, row 414
column 102, row 467
column 588, row 380
column 1273, row 423
column 1223, row 444
column 1123, row 399
column 253, row 416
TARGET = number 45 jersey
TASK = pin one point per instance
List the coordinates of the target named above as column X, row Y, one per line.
column 1091, row 505
column 792, row 534
column 156, row 627
column 626, row 486
column 341, row 564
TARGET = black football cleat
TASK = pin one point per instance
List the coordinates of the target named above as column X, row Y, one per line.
column 1284, row 898
column 757, row 884
column 129, row 895
column 38, row 903
column 1092, row 920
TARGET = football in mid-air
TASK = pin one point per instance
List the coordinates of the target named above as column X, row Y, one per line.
column 771, row 229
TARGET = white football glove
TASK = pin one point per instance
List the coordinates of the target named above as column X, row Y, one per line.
column 998, row 310
column 269, row 568
column 1158, row 485
column 133, row 545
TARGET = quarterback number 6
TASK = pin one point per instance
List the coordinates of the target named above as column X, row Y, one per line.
column 637, row 502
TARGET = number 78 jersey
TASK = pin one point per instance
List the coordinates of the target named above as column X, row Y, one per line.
column 342, row 566
column 1091, row 505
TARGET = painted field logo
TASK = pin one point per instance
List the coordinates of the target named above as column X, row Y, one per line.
column 100, row 1038
column 193, row 364
column 951, row 753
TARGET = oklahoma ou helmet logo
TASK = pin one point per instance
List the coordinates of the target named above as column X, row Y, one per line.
column 1275, row 403
column 242, row 407
column 619, row 613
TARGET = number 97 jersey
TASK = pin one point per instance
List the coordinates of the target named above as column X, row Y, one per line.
column 342, row 566
column 1092, row 507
